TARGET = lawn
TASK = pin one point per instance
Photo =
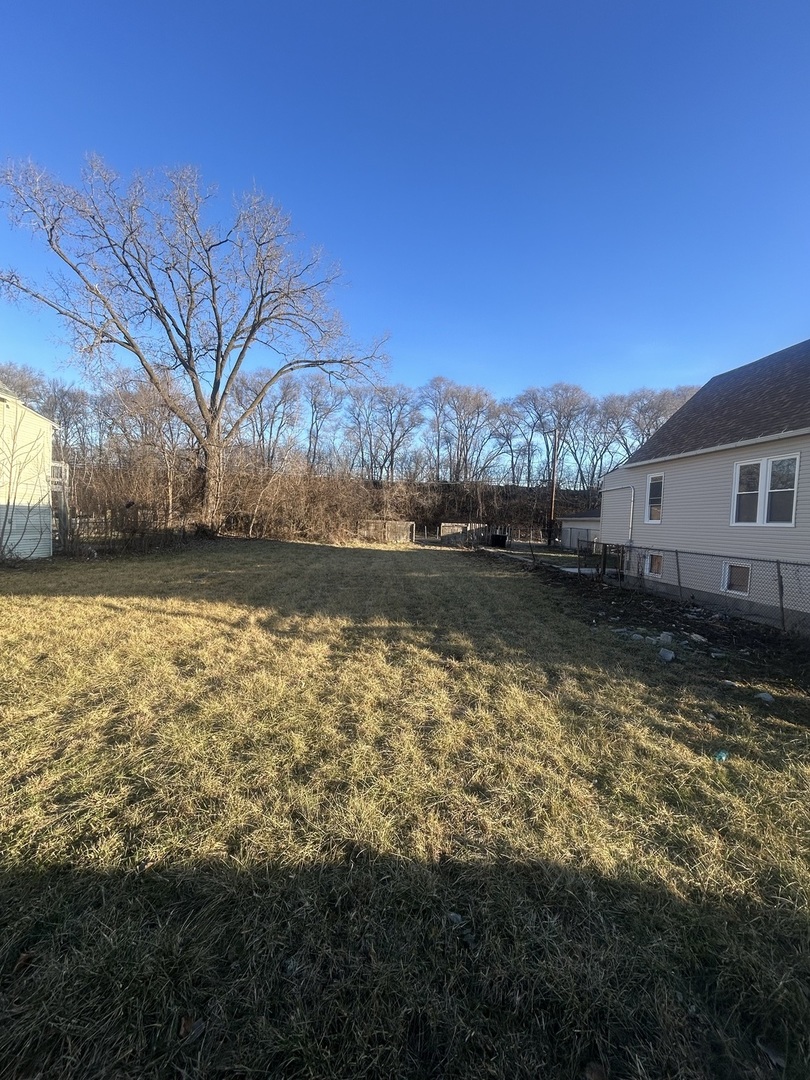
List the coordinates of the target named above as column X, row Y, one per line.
column 289, row 810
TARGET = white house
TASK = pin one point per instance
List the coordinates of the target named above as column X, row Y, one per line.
column 717, row 501
column 580, row 528
column 25, row 480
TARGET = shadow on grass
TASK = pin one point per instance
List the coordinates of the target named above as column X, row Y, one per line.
column 365, row 965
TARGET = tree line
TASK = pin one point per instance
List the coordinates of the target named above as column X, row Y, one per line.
column 221, row 385
column 123, row 444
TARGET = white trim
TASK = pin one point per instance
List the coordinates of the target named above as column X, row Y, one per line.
column 764, row 490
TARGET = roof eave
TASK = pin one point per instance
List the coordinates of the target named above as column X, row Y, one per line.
column 7, row 396
column 714, row 449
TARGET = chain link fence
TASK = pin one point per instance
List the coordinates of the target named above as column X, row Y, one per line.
column 764, row 590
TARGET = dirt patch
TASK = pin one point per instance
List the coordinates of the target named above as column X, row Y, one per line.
column 779, row 656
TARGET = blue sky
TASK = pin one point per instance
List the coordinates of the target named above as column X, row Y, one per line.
column 608, row 192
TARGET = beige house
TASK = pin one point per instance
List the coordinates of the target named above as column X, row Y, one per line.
column 717, row 501
column 25, row 480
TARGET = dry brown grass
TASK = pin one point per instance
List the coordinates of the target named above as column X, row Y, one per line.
column 302, row 811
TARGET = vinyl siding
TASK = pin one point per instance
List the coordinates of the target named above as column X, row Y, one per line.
column 574, row 532
column 696, row 506
column 25, row 487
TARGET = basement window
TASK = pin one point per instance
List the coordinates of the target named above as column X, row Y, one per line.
column 655, row 564
column 736, row 578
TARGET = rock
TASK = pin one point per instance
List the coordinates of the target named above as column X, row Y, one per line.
column 699, row 637
column 766, row 699
column 717, row 655
column 594, row 1071
column 665, row 638
column 637, row 637
column 775, row 1054
column 666, row 655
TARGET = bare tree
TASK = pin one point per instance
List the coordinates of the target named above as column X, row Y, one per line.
column 646, row 410
column 141, row 431
column 28, row 385
column 322, row 400
column 380, row 423
column 433, row 401
column 397, row 419
column 71, row 409
column 460, row 425
column 145, row 273
column 522, row 422
column 471, row 419
column 270, row 428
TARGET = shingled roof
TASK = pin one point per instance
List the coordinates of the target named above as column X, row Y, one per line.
column 770, row 397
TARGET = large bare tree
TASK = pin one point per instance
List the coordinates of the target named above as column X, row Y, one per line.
column 146, row 269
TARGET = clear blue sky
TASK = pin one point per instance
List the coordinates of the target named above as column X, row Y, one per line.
column 609, row 192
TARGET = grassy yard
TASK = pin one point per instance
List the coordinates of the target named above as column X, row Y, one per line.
column 299, row 811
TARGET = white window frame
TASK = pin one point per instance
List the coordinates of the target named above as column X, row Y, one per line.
column 648, row 561
column 765, row 466
column 651, row 477
column 726, row 568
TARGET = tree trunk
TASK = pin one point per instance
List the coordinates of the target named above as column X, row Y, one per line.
column 212, row 469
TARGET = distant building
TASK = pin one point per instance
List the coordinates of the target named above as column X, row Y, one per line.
column 25, row 480
column 582, row 527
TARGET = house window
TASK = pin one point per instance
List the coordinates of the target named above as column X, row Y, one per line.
column 746, row 508
column 781, row 491
column 655, row 499
column 654, row 564
column 736, row 578
column 765, row 491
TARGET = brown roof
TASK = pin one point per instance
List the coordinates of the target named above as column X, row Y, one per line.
column 769, row 397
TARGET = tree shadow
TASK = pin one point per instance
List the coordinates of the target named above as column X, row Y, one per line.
column 362, row 964
column 368, row 965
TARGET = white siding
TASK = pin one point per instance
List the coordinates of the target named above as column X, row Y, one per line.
column 25, row 482
column 572, row 531
column 697, row 503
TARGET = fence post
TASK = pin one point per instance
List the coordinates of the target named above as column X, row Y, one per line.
column 678, row 572
column 781, row 592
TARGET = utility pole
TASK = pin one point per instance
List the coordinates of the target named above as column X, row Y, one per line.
column 553, row 497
